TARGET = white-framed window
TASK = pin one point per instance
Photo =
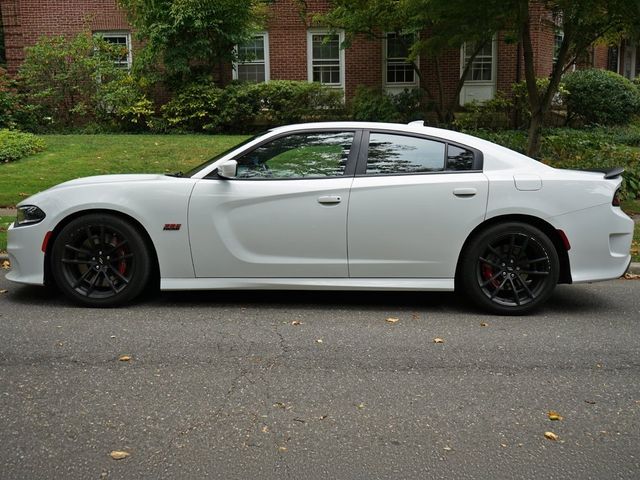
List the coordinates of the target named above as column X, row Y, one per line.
column 483, row 65
column 325, row 58
column 558, row 38
column 121, row 39
column 253, row 63
column 397, row 70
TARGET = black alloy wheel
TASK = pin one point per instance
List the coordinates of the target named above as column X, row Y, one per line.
column 100, row 260
column 510, row 269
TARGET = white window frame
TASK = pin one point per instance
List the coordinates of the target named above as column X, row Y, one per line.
column 119, row 33
column 494, row 64
column 265, row 62
column 385, row 61
column 341, row 56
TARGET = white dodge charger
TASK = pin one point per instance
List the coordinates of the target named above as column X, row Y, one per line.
column 341, row 206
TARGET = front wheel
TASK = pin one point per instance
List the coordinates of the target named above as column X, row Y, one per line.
column 510, row 268
column 100, row 260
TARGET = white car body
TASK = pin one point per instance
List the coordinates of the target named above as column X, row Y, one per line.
column 403, row 232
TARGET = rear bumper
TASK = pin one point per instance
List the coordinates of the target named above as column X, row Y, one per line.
column 600, row 240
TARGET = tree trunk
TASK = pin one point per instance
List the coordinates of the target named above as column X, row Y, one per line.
column 535, row 133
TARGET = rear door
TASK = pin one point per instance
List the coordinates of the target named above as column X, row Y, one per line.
column 413, row 202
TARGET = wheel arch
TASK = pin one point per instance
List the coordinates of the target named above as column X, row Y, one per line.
column 548, row 229
column 155, row 266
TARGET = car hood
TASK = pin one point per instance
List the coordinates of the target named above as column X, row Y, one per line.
column 110, row 179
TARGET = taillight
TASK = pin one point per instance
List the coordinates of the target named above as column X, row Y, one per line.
column 616, row 199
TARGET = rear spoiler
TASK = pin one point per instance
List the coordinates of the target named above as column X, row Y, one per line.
column 609, row 173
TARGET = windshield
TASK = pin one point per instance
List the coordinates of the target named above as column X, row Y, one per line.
column 218, row 157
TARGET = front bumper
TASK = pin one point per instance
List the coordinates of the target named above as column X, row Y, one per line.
column 24, row 245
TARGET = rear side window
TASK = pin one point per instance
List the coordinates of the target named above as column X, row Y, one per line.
column 391, row 154
column 459, row 158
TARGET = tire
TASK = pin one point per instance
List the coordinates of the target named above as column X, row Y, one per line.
column 100, row 260
column 509, row 269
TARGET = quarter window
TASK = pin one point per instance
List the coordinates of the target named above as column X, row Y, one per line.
column 459, row 158
column 253, row 64
column 391, row 154
column 302, row 155
column 326, row 59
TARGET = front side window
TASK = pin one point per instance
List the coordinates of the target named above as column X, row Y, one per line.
column 398, row 69
column 482, row 67
column 253, row 64
column 122, row 40
column 391, row 154
column 326, row 59
column 301, row 155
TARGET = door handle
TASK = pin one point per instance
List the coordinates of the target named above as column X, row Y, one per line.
column 464, row 192
column 329, row 199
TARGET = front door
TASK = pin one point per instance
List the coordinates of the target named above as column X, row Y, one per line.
column 283, row 215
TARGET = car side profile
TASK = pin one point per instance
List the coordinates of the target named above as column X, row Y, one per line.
column 335, row 205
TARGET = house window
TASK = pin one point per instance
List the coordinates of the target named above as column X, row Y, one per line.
column 398, row 70
column 121, row 39
column 558, row 38
column 481, row 69
column 326, row 58
column 253, row 56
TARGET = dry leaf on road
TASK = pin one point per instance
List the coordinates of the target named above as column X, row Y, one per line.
column 438, row 340
column 631, row 276
column 296, row 323
column 551, row 436
column 6, row 264
column 483, row 324
column 124, row 358
column 119, row 454
column 392, row 320
column 553, row 415
column 3, row 291
column 319, row 340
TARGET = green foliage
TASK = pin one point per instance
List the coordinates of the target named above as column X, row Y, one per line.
column 16, row 145
column 492, row 114
column 189, row 37
column 123, row 106
column 63, row 78
column 375, row 105
column 14, row 111
column 203, row 106
column 601, row 97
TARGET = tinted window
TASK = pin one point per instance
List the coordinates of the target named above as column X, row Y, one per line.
column 302, row 155
column 459, row 158
column 393, row 154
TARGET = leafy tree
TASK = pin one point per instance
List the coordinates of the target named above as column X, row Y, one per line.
column 436, row 27
column 192, row 37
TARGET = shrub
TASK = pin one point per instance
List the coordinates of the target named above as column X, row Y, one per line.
column 15, row 145
column 14, row 111
column 492, row 114
column 63, row 77
column 123, row 106
column 601, row 97
column 195, row 107
column 375, row 105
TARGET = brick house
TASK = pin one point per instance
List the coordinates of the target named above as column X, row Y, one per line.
column 289, row 49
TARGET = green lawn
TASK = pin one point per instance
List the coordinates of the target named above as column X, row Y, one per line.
column 73, row 156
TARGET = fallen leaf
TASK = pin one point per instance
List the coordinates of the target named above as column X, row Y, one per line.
column 503, row 445
column 322, row 417
column 415, row 316
column 553, row 415
column 483, row 324
column 124, row 358
column 119, row 454
column 22, row 194
column 265, row 429
column 448, row 449
column 282, row 449
column 280, row 405
column 3, row 291
column 6, row 264
column 319, row 340
column 296, row 323
column 590, row 402
column 551, row 436
column 360, row 406
column 438, row 340
column 392, row 320
column 631, row 276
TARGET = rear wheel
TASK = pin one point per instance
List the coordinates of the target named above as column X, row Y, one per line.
column 100, row 260
column 510, row 268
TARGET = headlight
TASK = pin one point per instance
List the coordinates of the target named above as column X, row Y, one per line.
column 28, row 215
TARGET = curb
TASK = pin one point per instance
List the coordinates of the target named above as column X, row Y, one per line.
column 634, row 268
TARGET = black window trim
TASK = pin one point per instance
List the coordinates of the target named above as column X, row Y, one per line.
column 349, row 171
column 363, row 154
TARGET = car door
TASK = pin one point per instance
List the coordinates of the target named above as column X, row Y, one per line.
column 284, row 214
column 413, row 202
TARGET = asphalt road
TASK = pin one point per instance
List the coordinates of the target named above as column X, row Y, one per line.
column 223, row 385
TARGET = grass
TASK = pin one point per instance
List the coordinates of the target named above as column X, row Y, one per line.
column 73, row 156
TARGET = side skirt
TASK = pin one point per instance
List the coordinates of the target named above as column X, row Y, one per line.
column 422, row 284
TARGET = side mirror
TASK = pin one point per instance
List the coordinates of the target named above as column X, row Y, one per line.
column 228, row 169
